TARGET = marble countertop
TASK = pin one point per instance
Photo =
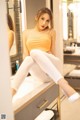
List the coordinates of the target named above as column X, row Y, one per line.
column 68, row 68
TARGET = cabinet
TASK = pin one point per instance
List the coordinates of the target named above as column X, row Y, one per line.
column 31, row 105
column 73, row 58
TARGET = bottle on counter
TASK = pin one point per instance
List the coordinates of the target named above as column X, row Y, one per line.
column 17, row 65
column 76, row 48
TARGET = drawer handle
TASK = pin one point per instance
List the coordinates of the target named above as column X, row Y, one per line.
column 43, row 104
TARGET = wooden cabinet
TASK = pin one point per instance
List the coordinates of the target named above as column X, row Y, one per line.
column 31, row 105
column 73, row 58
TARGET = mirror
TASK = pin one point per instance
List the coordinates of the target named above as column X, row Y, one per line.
column 71, row 31
column 71, row 20
column 13, row 9
column 74, row 20
column 11, row 28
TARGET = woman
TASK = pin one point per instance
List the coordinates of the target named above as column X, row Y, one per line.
column 10, row 31
column 39, row 54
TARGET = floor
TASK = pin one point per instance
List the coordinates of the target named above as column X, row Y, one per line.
column 70, row 111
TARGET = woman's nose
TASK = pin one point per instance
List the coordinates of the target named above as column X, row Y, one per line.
column 44, row 22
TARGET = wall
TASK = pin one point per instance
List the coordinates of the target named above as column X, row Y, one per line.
column 57, row 11
column 31, row 7
column 5, row 90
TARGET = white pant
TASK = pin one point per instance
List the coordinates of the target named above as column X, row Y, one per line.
column 39, row 74
column 41, row 65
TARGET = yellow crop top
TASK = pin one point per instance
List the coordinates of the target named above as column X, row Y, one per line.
column 38, row 40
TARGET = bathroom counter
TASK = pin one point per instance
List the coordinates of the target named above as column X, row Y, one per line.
column 29, row 104
column 73, row 58
column 67, row 68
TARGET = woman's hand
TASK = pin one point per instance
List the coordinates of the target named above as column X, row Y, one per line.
column 13, row 91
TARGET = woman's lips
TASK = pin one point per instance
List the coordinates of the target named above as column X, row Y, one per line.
column 43, row 26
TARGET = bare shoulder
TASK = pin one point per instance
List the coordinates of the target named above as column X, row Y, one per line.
column 26, row 32
column 11, row 32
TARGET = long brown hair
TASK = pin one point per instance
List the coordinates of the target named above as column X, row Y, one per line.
column 43, row 11
column 10, row 22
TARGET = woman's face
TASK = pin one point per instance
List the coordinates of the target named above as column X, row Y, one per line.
column 43, row 21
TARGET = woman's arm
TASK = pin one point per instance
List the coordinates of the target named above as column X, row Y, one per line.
column 53, row 39
column 24, row 47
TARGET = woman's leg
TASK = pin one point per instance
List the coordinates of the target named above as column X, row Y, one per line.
column 55, row 61
column 38, row 74
column 47, row 66
column 22, row 72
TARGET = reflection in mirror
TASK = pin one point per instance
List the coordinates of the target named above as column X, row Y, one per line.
column 11, row 28
column 71, row 20
column 10, row 31
column 71, row 28
column 14, row 32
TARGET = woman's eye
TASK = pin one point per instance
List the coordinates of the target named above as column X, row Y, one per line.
column 42, row 18
column 47, row 20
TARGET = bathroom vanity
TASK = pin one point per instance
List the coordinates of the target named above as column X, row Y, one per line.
column 72, row 58
column 72, row 75
column 30, row 105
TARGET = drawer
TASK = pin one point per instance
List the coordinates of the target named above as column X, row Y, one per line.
column 33, row 109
